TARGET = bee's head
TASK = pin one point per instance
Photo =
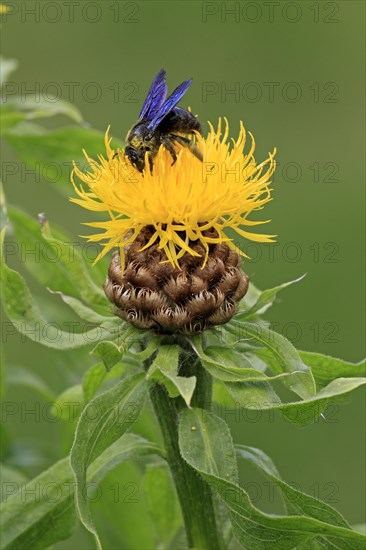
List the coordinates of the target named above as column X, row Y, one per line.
column 135, row 157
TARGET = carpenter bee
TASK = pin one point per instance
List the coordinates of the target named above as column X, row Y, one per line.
column 161, row 122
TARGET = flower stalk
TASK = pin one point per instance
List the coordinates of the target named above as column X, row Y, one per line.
column 194, row 494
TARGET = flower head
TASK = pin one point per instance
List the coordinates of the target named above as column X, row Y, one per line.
column 183, row 204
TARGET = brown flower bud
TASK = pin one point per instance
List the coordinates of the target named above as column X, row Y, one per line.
column 151, row 294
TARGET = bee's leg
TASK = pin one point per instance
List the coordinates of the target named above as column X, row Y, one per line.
column 190, row 144
column 168, row 144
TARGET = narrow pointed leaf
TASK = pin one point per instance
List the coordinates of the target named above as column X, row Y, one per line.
column 51, row 152
column 104, row 420
column 41, row 257
column 229, row 365
column 326, row 368
column 7, row 66
column 302, row 413
column 31, row 107
column 225, row 363
column 162, row 503
column 300, row 502
column 93, row 378
column 58, row 263
column 253, row 395
column 164, row 369
column 69, row 404
column 264, row 300
column 109, row 352
column 73, row 262
column 42, row 512
column 11, row 481
column 287, row 357
column 83, row 311
column 26, row 316
column 20, row 376
column 253, row 528
column 308, row 411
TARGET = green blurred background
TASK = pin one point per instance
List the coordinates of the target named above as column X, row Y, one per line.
column 297, row 69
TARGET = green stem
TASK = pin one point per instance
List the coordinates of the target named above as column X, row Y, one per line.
column 194, row 494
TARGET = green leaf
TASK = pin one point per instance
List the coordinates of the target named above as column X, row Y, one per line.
column 59, row 264
column 253, row 395
column 9, row 119
column 260, row 395
column 129, row 447
column 164, row 369
column 73, row 263
column 201, row 437
column 227, row 364
column 83, row 311
column 11, row 481
column 42, row 512
column 109, row 353
column 41, row 262
column 326, row 368
column 264, row 300
column 162, row 503
column 51, row 153
column 360, row 528
column 93, row 378
column 20, row 376
column 250, row 298
column 26, row 128
column 305, row 412
column 7, row 66
column 102, row 422
column 287, row 357
column 2, row 206
column 27, row 318
column 31, row 107
column 153, row 343
column 69, row 404
column 25, row 315
column 205, row 439
column 334, row 377
column 298, row 501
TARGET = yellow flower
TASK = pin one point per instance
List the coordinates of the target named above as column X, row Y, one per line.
column 181, row 202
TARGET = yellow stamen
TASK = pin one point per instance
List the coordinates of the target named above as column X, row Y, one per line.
column 181, row 201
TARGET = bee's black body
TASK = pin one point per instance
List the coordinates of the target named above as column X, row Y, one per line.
column 161, row 123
